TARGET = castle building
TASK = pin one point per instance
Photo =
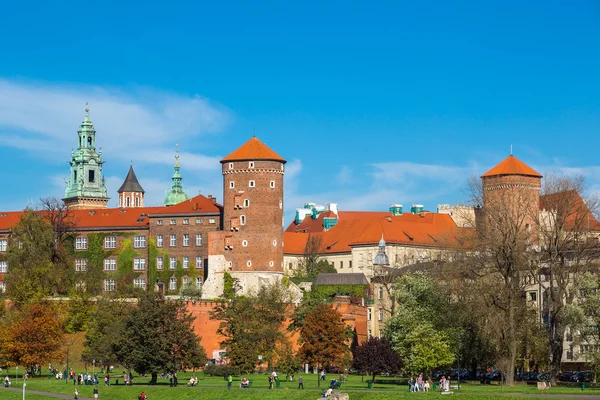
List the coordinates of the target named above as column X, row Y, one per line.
column 176, row 194
column 250, row 248
column 86, row 187
column 131, row 193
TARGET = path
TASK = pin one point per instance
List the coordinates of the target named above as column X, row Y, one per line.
column 47, row 394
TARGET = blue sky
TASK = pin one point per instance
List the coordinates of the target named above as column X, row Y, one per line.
column 371, row 103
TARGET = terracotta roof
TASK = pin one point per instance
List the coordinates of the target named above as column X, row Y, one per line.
column 512, row 166
column 253, row 149
column 316, row 225
column 115, row 218
column 425, row 229
column 578, row 216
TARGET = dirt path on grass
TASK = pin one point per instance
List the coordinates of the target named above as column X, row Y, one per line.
column 47, row 394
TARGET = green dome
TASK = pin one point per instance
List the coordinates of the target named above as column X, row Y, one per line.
column 176, row 194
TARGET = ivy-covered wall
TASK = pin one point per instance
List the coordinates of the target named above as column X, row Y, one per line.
column 330, row 291
column 166, row 273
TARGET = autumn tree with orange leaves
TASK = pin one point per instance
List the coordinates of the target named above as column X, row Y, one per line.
column 323, row 337
column 33, row 336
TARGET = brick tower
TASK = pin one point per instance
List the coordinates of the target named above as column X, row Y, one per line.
column 514, row 187
column 131, row 193
column 250, row 247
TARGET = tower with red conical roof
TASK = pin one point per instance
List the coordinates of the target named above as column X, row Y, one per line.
column 251, row 243
column 513, row 186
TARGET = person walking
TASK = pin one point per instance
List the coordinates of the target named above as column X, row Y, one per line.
column 76, row 393
column 300, row 383
column 229, row 381
column 96, row 392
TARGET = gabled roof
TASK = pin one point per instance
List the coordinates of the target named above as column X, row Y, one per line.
column 311, row 225
column 131, row 183
column 253, row 149
column 123, row 218
column 577, row 216
column 511, row 165
column 424, row 229
column 341, row 279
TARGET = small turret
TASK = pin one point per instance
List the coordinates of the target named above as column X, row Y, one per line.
column 176, row 194
column 131, row 193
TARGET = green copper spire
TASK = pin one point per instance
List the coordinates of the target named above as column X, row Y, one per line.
column 176, row 195
column 86, row 186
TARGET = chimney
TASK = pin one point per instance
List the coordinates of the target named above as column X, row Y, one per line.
column 213, row 199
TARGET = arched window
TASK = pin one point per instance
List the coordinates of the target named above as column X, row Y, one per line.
column 137, row 201
column 127, row 201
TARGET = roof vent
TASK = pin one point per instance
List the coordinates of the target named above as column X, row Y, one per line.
column 123, row 211
column 92, row 212
column 140, row 219
column 2, row 215
column 396, row 209
column 416, row 208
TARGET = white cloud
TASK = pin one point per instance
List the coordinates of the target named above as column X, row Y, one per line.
column 36, row 116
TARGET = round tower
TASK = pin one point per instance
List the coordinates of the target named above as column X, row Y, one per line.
column 513, row 187
column 131, row 193
column 253, row 208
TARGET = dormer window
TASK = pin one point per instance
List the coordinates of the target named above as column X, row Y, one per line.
column 251, row 164
column 91, row 175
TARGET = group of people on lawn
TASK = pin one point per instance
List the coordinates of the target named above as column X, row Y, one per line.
column 419, row 384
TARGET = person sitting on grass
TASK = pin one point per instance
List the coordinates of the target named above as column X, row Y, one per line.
column 328, row 392
column 333, row 383
column 244, row 383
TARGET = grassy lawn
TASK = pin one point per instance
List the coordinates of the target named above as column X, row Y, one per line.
column 215, row 388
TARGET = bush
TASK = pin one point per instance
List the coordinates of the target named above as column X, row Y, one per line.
column 219, row 370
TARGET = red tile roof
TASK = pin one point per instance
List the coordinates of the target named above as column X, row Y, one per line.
column 309, row 224
column 425, row 229
column 253, row 149
column 578, row 216
column 123, row 218
column 511, row 165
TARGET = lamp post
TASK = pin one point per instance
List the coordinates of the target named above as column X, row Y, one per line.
column 17, row 376
column 24, row 384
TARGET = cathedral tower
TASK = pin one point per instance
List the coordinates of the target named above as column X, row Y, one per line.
column 86, row 186
column 253, row 208
column 131, row 193
column 176, row 194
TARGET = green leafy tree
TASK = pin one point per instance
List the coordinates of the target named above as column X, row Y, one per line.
column 422, row 332
column 312, row 264
column 323, row 337
column 252, row 326
column 158, row 335
column 375, row 356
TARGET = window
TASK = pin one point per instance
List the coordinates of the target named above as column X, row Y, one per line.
column 380, row 296
column 230, row 165
column 172, row 283
column 249, row 263
column 81, row 243
column 290, row 266
column 274, row 243
column 137, row 201
column 139, row 242
column 186, row 262
column 159, row 240
column 251, row 164
column 532, row 296
column 127, row 202
column 185, row 280
column 186, row 221
column 159, row 222
column 3, row 267
column 199, row 239
column 172, row 262
column 244, row 243
column 110, row 264
column 380, row 315
column 246, row 203
column 211, row 220
column 173, row 240
column 341, row 264
column 139, row 264
column 369, row 314
column 81, row 265
column 231, row 184
column 199, row 262
column 198, row 281
column 173, row 222
column 242, row 220
column 272, row 184
column 186, row 239
column 139, row 283
column 350, row 264
column 271, row 263
column 3, row 244
column 109, row 285
column 159, row 262
column 110, row 242
column 91, row 175
column 2, row 287
column 280, row 204
column 251, row 184
column 198, row 221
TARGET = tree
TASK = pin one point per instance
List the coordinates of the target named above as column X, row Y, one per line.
column 29, row 255
column 568, row 249
column 252, row 326
column 102, row 337
column 376, row 356
column 191, row 291
column 157, row 336
column 33, row 337
column 287, row 360
column 323, row 336
column 423, row 331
